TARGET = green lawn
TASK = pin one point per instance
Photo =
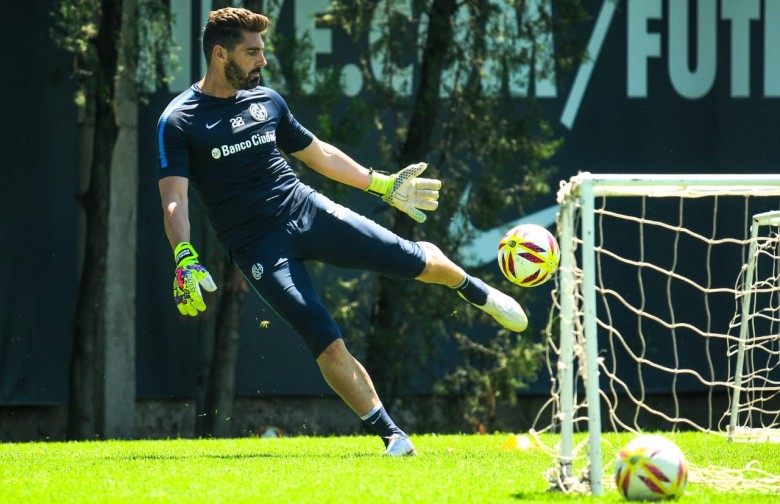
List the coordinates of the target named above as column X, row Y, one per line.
column 465, row 468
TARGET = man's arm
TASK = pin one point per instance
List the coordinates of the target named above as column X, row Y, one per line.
column 403, row 190
column 190, row 276
column 331, row 162
column 173, row 193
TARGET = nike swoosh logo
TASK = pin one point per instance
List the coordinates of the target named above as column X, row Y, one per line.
column 482, row 250
column 209, row 126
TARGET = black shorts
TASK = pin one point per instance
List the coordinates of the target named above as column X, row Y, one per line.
column 324, row 231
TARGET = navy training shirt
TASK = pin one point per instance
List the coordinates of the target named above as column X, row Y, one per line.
column 229, row 149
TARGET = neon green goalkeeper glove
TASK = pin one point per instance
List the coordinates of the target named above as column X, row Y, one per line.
column 190, row 277
column 406, row 192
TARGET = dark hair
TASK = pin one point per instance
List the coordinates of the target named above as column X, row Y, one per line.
column 224, row 28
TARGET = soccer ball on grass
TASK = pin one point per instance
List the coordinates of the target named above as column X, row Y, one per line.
column 528, row 255
column 651, row 467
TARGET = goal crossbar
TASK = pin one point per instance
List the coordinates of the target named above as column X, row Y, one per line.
column 659, row 185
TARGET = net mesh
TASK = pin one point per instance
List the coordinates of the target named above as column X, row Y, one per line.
column 674, row 291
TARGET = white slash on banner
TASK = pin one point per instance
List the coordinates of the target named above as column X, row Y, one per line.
column 585, row 71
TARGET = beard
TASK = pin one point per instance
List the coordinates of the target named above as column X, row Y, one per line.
column 238, row 79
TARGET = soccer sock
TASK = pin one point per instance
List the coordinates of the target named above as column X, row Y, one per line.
column 473, row 290
column 380, row 422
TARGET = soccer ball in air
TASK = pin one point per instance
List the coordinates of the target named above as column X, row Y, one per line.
column 651, row 467
column 528, row 255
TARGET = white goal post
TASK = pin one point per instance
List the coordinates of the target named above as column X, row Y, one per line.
column 662, row 295
column 752, row 307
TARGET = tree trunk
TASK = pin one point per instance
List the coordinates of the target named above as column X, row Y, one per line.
column 388, row 337
column 219, row 335
column 221, row 388
column 88, row 364
column 118, row 412
column 207, row 329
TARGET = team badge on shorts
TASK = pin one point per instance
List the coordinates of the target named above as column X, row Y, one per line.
column 258, row 112
column 257, row 271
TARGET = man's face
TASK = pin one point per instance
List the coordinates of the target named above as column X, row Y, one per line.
column 242, row 70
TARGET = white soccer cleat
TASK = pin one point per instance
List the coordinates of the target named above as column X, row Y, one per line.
column 505, row 310
column 400, row 446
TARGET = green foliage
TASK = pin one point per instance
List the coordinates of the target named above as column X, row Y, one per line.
column 478, row 136
column 75, row 24
column 491, row 374
column 157, row 60
column 293, row 57
column 75, row 28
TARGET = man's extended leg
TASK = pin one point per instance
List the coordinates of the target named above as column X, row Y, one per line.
column 372, row 247
column 349, row 379
column 440, row 269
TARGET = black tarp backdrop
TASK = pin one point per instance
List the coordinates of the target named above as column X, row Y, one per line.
column 731, row 128
column 38, row 220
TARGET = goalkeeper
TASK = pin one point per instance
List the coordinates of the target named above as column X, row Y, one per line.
column 224, row 136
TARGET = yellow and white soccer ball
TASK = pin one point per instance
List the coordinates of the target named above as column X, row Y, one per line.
column 651, row 467
column 528, row 255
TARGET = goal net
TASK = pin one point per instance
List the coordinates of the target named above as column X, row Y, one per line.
column 667, row 312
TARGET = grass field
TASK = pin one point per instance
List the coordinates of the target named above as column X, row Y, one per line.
column 451, row 468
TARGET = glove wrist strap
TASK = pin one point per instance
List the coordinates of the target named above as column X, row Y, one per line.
column 380, row 184
column 184, row 254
